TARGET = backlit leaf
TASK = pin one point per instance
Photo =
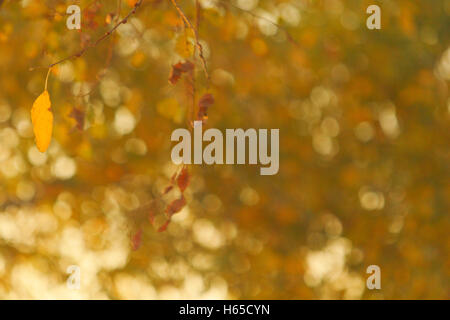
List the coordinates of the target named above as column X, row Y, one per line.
column 42, row 119
column 184, row 47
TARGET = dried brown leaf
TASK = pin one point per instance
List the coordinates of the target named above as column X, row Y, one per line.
column 164, row 226
column 175, row 206
column 183, row 179
column 178, row 69
column 167, row 189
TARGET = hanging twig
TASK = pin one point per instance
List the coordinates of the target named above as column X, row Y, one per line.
column 46, row 79
column 101, row 74
column 197, row 42
column 103, row 37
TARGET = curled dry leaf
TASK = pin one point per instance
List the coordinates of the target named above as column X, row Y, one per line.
column 42, row 119
column 167, row 189
column 175, row 206
column 183, row 179
column 164, row 226
column 178, row 69
column 204, row 103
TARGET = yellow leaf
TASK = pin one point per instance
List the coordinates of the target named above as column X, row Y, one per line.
column 184, row 47
column 170, row 109
column 42, row 119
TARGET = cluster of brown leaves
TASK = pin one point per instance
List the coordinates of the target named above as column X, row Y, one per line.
column 182, row 180
column 178, row 70
column 89, row 15
column 179, row 179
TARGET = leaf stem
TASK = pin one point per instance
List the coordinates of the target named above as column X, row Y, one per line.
column 46, row 79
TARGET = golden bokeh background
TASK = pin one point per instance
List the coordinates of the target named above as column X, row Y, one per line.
column 364, row 119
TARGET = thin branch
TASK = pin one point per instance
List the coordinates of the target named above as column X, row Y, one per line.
column 103, row 37
column 254, row 15
column 197, row 42
column 101, row 74
column 197, row 25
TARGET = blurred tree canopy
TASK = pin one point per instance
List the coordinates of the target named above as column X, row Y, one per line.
column 364, row 149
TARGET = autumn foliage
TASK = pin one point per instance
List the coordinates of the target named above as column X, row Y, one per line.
column 86, row 176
